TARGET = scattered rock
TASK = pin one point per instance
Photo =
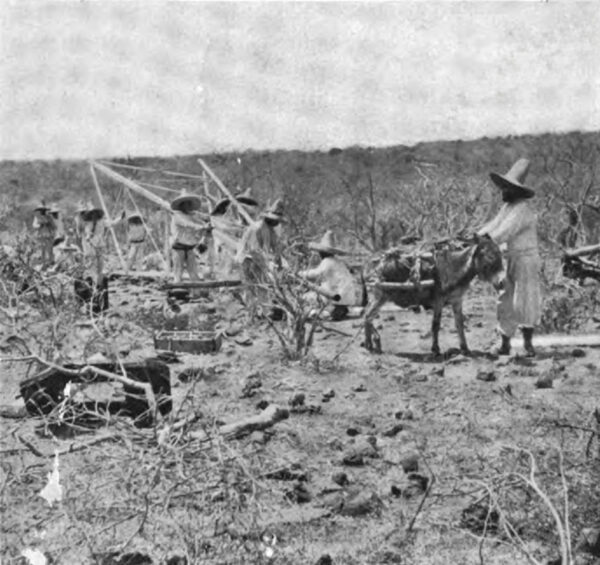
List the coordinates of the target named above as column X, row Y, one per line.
column 388, row 556
column 545, row 381
column 439, row 371
column 244, row 341
column 486, row 375
column 419, row 482
column 353, row 431
column 340, row 478
column 353, row 458
column 299, row 493
column 396, row 491
column 117, row 558
column 257, row 437
column 479, row 518
column 328, row 395
column 366, row 448
column 196, row 374
column 410, row 462
column 334, row 501
column 262, row 404
column 590, row 541
column 177, row 560
column 325, row 559
column 336, row 444
column 297, row 399
column 405, row 414
column 253, row 382
column 359, row 388
column 578, row 352
column 234, row 330
column 361, row 504
column 308, row 409
column 392, row 431
column 389, row 318
column 291, row 473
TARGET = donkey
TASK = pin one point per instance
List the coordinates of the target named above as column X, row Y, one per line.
column 451, row 270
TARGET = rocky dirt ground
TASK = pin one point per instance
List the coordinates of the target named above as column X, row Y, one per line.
column 383, row 459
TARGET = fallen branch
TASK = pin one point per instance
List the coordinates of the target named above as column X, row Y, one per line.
column 267, row 418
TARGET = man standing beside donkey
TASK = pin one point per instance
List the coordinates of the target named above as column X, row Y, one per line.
column 519, row 303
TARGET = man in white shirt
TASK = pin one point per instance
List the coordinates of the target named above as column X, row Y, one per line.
column 333, row 276
column 519, row 303
column 186, row 235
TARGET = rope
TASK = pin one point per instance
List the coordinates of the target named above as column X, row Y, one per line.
column 177, row 191
column 133, row 167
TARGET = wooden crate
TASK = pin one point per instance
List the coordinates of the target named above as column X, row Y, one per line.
column 187, row 341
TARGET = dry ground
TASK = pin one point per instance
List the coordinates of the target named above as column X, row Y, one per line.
column 212, row 502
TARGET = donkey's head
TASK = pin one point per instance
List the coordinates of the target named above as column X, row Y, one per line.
column 487, row 258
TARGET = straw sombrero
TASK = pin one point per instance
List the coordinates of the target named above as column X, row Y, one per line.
column 131, row 215
column 186, row 197
column 41, row 207
column 514, row 178
column 275, row 211
column 92, row 213
column 327, row 245
column 245, row 198
column 220, row 207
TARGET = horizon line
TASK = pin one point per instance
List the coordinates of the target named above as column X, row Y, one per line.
column 407, row 145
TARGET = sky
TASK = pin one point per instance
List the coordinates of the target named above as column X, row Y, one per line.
column 92, row 79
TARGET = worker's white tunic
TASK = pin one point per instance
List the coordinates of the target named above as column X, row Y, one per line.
column 333, row 276
column 520, row 302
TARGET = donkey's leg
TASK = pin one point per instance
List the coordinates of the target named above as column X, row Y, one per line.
column 372, row 338
column 435, row 325
column 459, row 321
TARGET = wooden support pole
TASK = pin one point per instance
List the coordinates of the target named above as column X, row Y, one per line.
column 108, row 218
column 168, row 241
column 202, row 284
column 226, row 192
column 587, row 250
column 403, row 286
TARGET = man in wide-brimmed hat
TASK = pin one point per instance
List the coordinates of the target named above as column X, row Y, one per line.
column 56, row 214
column 333, row 276
column 45, row 227
column 259, row 251
column 93, row 240
column 519, row 303
column 186, row 234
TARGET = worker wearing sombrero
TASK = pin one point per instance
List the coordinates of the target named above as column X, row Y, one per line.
column 93, row 240
column 186, row 234
column 56, row 214
column 519, row 303
column 333, row 276
column 259, row 251
column 45, row 227
column 136, row 236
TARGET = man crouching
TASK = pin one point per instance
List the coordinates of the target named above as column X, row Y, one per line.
column 333, row 277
